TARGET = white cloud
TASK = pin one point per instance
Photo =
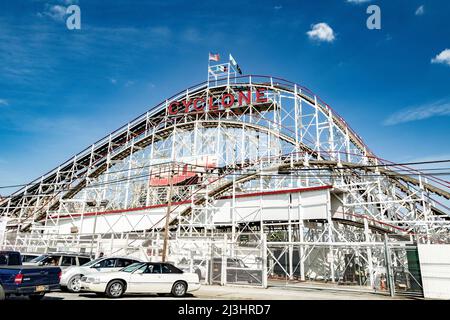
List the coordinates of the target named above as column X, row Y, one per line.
column 443, row 57
column 436, row 109
column 112, row 80
column 55, row 12
column 420, row 10
column 161, row 31
column 357, row 1
column 321, row 32
column 129, row 83
column 278, row 7
column 4, row 102
column 192, row 35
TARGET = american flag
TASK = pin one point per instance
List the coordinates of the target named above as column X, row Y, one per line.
column 214, row 57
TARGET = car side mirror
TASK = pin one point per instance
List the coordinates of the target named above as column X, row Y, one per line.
column 40, row 264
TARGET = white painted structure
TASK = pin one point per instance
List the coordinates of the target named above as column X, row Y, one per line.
column 286, row 205
column 3, row 222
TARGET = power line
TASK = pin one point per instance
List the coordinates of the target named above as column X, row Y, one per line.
column 292, row 169
column 306, row 176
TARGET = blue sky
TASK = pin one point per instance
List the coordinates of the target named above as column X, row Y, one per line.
column 61, row 90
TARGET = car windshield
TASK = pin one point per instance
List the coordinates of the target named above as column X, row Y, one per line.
column 132, row 267
column 39, row 259
column 91, row 263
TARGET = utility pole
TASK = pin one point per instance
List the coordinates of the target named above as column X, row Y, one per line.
column 93, row 232
column 169, row 206
column 92, row 204
column 103, row 205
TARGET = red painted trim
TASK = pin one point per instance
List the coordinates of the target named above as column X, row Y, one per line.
column 248, row 195
column 87, row 214
column 265, row 193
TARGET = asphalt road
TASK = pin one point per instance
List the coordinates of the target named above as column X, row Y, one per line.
column 236, row 293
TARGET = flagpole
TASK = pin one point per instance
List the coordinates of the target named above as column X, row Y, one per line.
column 209, row 62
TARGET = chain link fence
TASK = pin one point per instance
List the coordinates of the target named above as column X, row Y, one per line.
column 250, row 260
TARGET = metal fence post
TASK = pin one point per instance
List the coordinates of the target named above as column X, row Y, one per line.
column 209, row 272
column 223, row 276
column 264, row 260
column 389, row 276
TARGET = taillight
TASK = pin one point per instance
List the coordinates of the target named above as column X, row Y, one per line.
column 18, row 278
column 59, row 275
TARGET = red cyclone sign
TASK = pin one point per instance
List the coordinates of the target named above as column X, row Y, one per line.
column 227, row 100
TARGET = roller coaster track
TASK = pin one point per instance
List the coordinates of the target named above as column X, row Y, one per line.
column 320, row 163
column 139, row 125
column 152, row 126
column 101, row 166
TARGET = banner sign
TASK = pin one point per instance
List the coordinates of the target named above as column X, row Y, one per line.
column 211, row 104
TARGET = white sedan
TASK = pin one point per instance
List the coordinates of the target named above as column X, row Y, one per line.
column 145, row 277
column 70, row 279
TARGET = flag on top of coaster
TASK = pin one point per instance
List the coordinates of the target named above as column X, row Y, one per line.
column 234, row 63
column 214, row 57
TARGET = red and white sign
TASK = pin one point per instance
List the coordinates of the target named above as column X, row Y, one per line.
column 214, row 104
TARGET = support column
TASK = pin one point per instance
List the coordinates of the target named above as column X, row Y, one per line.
column 369, row 253
column 290, row 248
column 389, row 274
column 330, row 236
column 302, row 246
column 264, row 260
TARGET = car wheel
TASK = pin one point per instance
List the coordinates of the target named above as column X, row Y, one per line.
column 115, row 289
column 74, row 284
column 179, row 289
column 2, row 293
column 36, row 296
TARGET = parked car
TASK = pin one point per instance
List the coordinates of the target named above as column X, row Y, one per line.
column 27, row 257
column 237, row 271
column 71, row 276
column 61, row 259
column 145, row 277
column 31, row 281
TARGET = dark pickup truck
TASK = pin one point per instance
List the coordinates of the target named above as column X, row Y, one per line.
column 31, row 281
